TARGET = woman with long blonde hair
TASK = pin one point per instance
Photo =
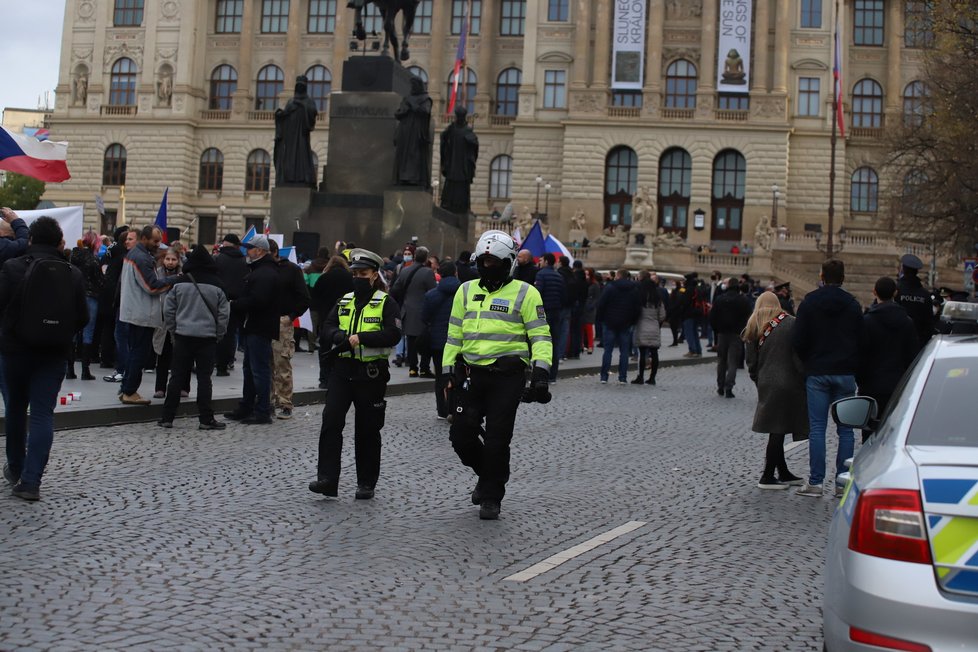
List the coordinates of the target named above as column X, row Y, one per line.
column 782, row 404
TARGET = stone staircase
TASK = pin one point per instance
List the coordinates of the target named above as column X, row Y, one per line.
column 802, row 268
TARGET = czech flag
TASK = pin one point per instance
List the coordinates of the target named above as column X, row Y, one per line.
column 538, row 245
column 45, row 161
column 459, row 68
column 161, row 217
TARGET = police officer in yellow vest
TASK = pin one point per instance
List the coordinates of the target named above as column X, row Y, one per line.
column 496, row 330
column 359, row 334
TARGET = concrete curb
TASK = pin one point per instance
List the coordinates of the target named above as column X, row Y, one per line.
column 127, row 414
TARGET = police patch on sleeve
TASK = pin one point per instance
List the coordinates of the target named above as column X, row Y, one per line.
column 541, row 313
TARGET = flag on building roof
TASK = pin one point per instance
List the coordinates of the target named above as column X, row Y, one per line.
column 459, row 66
column 538, row 244
column 161, row 217
column 45, row 161
column 837, row 76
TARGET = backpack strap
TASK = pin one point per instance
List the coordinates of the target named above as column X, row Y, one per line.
column 207, row 303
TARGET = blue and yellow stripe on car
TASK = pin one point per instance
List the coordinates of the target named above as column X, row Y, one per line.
column 953, row 531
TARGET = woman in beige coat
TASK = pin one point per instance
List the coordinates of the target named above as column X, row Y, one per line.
column 647, row 338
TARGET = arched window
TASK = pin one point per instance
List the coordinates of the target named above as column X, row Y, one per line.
column 500, row 177
column 419, row 72
column 864, row 195
column 466, row 91
column 271, row 82
column 916, row 103
column 729, row 183
column 508, row 91
column 224, row 83
column 681, row 85
column 258, row 171
column 320, row 86
column 675, row 176
column 620, row 185
column 128, row 13
column 867, row 104
column 122, row 85
column 211, row 169
column 114, row 165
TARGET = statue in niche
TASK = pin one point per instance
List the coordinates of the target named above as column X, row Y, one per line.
column 79, row 89
column 164, row 89
column 459, row 152
column 579, row 220
column 642, row 218
column 733, row 69
column 293, row 153
column 412, row 138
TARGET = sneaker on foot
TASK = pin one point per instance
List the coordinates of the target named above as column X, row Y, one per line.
column 364, row 492
column 134, row 399
column 113, row 378
column 771, row 483
column 214, row 424
column 790, row 479
column 284, row 413
column 26, row 492
column 810, row 490
column 489, row 510
column 413, row 373
column 328, row 488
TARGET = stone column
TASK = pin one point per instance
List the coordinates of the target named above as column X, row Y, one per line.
column 782, row 40
column 437, row 74
column 528, row 88
column 653, row 54
column 762, row 28
column 707, row 83
column 295, row 30
column 582, row 43
column 602, row 45
column 484, row 72
column 893, row 92
column 242, row 97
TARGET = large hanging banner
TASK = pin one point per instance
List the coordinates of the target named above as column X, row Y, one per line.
column 733, row 51
column 628, row 51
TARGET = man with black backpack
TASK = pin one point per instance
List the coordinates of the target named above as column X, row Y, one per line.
column 42, row 307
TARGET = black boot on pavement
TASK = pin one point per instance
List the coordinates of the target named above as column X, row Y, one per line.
column 489, row 510
column 364, row 492
column 328, row 488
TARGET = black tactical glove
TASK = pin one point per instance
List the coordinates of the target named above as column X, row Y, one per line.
column 540, row 385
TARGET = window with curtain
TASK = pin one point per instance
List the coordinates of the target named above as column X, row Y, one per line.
column 555, row 89
column 122, row 83
column 466, row 90
column 274, row 16
column 229, row 14
column 809, row 96
column 918, row 24
column 916, row 103
column 224, row 83
column 258, row 171
column 675, row 186
column 114, row 165
column 867, row 26
column 867, row 104
column 459, row 9
column 128, row 13
column 320, row 86
column 500, row 177
column 422, row 18
column 864, row 195
column 558, row 10
column 621, row 184
column 681, row 85
column 512, row 18
column 811, row 14
column 508, row 91
column 211, row 170
column 271, row 82
column 322, row 17
column 729, row 185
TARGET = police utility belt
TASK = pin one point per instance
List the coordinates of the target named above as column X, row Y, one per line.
column 508, row 365
column 360, row 370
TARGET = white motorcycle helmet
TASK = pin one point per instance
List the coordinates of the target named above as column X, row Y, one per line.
column 498, row 244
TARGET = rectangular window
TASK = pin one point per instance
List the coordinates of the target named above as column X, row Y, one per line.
column 919, row 24
column 809, row 89
column 206, row 229
column 422, row 18
column 229, row 16
column 555, row 89
column 512, row 19
column 868, row 22
column 274, row 16
column 459, row 10
column 558, row 10
column 735, row 102
column 257, row 223
column 128, row 13
column 631, row 99
column 811, row 14
column 322, row 16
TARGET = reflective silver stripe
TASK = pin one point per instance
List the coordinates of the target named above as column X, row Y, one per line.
column 454, row 321
column 472, row 357
column 448, row 371
column 539, row 338
column 364, row 352
column 542, row 365
column 495, row 337
column 498, row 316
column 536, row 323
column 465, row 293
column 454, row 341
column 518, row 304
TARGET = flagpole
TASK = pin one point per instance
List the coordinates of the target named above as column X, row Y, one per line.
column 835, row 124
column 465, row 57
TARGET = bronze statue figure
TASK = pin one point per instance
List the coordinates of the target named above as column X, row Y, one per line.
column 293, row 153
column 459, row 152
column 412, row 139
column 388, row 11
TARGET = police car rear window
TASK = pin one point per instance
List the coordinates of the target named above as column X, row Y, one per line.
column 945, row 413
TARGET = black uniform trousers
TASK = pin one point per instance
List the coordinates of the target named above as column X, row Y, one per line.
column 188, row 353
column 350, row 384
column 730, row 354
column 493, row 395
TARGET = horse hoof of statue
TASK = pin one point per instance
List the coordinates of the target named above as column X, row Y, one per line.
column 360, row 33
column 405, row 55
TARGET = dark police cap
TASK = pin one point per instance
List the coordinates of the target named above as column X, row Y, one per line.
column 233, row 239
column 363, row 259
column 911, row 262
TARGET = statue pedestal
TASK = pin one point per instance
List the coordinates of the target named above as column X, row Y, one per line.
column 576, row 235
column 638, row 253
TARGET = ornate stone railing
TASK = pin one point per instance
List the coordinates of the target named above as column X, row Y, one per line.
column 579, row 253
column 116, row 110
column 214, row 114
column 678, row 114
column 736, row 261
column 624, row 111
column 501, row 120
column 261, row 116
column 727, row 115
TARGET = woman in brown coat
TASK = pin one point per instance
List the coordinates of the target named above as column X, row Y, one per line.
column 782, row 405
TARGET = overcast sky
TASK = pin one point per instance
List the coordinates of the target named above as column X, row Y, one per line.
column 30, row 50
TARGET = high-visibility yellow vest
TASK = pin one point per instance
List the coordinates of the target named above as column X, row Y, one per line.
column 369, row 319
column 485, row 326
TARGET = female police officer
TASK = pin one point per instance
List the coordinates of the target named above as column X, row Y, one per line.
column 359, row 333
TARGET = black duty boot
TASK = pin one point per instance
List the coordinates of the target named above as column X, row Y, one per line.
column 639, row 380
column 477, row 494
column 364, row 492
column 489, row 510
column 70, row 373
column 328, row 488
column 86, row 362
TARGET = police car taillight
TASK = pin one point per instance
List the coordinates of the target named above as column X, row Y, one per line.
column 889, row 523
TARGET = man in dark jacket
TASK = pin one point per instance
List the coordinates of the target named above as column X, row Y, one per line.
column 728, row 317
column 464, row 269
column 915, row 299
column 435, row 313
column 618, row 309
column 108, row 303
column 258, row 310
column 826, row 339
column 525, row 270
column 552, row 290
column 14, row 237
column 688, row 312
column 33, row 373
column 232, row 270
column 887, row 346
column 293, row 297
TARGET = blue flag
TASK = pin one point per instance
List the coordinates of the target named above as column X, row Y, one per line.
column 161, row 217
column 534, row 242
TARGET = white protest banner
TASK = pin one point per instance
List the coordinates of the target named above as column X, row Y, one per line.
column 733, row 50
column 628, row 51
column 71, row 219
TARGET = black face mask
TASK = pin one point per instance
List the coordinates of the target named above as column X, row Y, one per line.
column 492, row 277
column 362, row 287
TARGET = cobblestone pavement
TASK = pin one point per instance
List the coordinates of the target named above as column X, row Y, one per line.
column 147, row 539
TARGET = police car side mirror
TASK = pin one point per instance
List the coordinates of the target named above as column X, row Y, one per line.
column 854, row 412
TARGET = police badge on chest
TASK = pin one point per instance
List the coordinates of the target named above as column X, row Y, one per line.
column 499, row 305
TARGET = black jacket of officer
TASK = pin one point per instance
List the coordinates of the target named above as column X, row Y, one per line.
column 915, row 299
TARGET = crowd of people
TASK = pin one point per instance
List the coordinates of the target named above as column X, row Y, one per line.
column 130, row 303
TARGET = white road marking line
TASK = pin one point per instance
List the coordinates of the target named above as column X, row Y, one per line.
column 795, row 444
column 576, row 551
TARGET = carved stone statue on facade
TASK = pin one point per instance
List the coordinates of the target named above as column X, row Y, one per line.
column 610, row 238
column 524, row 221
column 643, row 212
column 412, row 139
column 764, row 234
column 164, row 89
column 79, row 89
column 293, row 153
column 668, row 240
column 579, row 220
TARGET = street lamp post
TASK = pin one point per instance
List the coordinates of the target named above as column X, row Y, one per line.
column 539, row 183
column 546, row 206
column 220, row 220
column 434, row 190
column 775, row 194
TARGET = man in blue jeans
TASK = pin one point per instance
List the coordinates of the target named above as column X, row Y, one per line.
column 826, row 338
column 618, row 310
column 34, row 370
